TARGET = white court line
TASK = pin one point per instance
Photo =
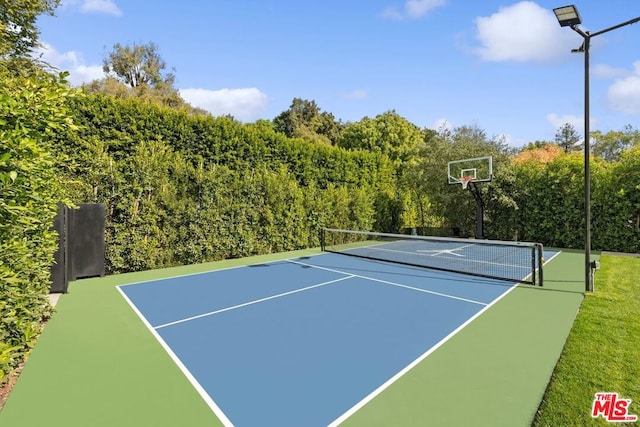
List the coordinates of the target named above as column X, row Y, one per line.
column 201, row 391
column 399, row 285
column 393, row 379
column 436, row 252
column 222, row 310
column 552, row 257
column 214, row 270
column 211, row 403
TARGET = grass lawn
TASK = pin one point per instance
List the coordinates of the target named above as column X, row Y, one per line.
column 602, row 353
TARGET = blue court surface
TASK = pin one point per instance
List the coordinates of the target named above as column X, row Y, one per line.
column 305, row 341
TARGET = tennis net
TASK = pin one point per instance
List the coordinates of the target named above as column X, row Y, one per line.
column 511, row 261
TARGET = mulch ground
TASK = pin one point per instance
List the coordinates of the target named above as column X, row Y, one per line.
column 6, row 388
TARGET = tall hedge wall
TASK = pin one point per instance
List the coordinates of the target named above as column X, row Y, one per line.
column 548, row 202
column 181, row 188
column 33, row 107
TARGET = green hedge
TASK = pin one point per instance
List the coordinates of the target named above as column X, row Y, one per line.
column 181, row 189
column 32, row 109
column 548, row 202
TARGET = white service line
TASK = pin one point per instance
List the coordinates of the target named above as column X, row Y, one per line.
column 222, row 310
column 391, row 283
column 213, row 270
column 436, row 252
column 192, row 379
column 393, row 379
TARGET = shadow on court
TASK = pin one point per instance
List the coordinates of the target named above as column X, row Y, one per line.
column 97, row 364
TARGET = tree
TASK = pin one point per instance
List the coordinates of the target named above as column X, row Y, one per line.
column 136, row 71
column 108, row 86
column 568, row 138
column 388, row 133
column 162, row 94
column 445, row 205
column 545, row 153
column 610, row 146
column 18, row 31
column 137, row 65
column 535, row 145
column 305, row 120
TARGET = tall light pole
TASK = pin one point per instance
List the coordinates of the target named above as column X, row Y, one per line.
column 568, row 16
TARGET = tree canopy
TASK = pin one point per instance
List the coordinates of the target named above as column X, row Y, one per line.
column 304, row 119
column 136, row 65
column 388, row 133
column 612, row 144
column 440, row 203
column 137, row 71
column 568, row 138
column 18, row 31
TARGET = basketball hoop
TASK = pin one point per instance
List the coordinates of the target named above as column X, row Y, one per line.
column 465, row 180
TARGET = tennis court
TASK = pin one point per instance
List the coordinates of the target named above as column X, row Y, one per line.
column 301, row 338
column 308, row 341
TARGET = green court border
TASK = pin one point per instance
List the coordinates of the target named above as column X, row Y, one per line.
column 97, row 364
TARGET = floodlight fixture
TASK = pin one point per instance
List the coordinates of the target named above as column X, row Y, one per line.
column 568, row 16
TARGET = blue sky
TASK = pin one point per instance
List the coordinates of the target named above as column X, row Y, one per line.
column 502, row 65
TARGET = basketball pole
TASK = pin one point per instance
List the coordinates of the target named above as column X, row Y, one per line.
column 473, row 188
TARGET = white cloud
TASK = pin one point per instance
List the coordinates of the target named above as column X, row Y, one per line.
column 100, row 6
column 85, row 74
column 413, row 9
column 107, row 7
column 355, row 94
column 624, row 93
column 522, row 32
column 72, row 62
column 244, row 104
column 607, row 72
column 419, row 8
column 391, row 13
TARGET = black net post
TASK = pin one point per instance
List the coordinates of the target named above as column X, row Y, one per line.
column 533, row 265
column 540, row 263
